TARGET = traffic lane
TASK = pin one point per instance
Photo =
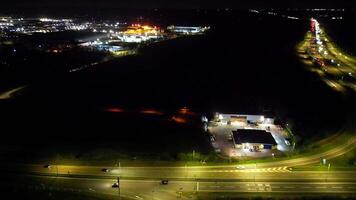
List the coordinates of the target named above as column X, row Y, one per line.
column 138, row 189
column 305, row 187
column 228, row 173
column 141, row 189
column 202, row 172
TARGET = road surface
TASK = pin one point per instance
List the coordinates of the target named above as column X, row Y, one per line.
column 9, row 94
column 276, row 177
column 152, row 189
column 336, row 68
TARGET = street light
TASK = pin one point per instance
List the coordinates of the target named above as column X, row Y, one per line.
column 118, row 187
column 327, row 175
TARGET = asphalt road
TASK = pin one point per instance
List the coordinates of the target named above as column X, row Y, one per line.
column 152, row 189
column 274, row 178
column 9, row 94
column 339, row 70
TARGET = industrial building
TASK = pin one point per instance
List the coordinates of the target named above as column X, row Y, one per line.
column 187, row 29
column 243, row 120
column 137, row 33
column 253, row 139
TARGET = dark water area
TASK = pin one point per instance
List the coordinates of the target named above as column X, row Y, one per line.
column 245, row 64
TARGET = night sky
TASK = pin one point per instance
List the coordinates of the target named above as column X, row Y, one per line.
column 236, row 4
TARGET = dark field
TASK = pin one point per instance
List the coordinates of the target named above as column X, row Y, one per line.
column 245, row 64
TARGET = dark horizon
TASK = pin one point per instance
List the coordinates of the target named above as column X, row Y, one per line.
column 183, row 4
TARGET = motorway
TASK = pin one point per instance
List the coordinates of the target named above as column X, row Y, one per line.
column 190, row 182
column 190, row 189
column 272, row 178
column 335, row 67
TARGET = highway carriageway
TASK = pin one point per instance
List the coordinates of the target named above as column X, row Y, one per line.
column 145, row 188
column 298, row 176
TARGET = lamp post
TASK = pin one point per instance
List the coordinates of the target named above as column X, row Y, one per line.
column 57, row 158
column 254, row 173
column 186, row 170
column 327, row 175
column 119, row 187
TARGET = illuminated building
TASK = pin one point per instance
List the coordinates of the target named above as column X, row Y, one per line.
column 236, row 119
column 103, row 46
column 138, row 33
column 187, row 29
column 252, row 139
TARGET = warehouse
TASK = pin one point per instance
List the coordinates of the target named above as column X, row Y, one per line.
column 243, row 120
column 253, row 140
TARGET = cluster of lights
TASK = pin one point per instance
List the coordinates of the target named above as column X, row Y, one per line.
column 290, row 17
column 324, row 9
column 137, row 33
column 188, row 29
column 105, row 27
column 272, row 13
column 40, row 25
column 336, row 18
column 315, row 28
column 276, row 14
column 254, row 11
column 54, row 20
column 77, row 27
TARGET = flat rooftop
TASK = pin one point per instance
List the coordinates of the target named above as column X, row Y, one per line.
column 253, row 136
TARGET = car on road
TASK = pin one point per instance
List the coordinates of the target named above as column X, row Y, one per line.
column 105, row 170
column 164, row 182
column 47, row 166
column 115, row 185
column 240, row 167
